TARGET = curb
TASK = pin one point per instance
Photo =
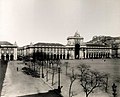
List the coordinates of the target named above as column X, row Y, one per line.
column 52, row 88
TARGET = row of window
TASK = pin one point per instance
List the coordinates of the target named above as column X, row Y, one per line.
column 100, row 50
column 7, row 51
column 49, row 49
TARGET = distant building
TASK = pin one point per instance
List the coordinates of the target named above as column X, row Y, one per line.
column 8, row 51
column 52, row 50
column 76, row 48
column 103, row 47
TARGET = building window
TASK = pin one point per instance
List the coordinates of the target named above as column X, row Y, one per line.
column 48, row 49
column 51, row 49
column 11, row 51
column 7, row 51
column 2, row 51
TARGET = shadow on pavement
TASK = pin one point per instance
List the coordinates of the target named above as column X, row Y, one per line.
column 31, row 72
column 51, row 93
column 3, row 67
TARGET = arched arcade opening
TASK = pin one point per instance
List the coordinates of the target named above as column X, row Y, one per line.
column 11, row 57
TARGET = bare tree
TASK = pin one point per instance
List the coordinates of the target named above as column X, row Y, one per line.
column 105, row 78
column 90, row 80
column 83, row 69
column 47, row 69
column 72, row 77
column 39, row 66
column 54, row 68
column 66, row 65
column 53, row 74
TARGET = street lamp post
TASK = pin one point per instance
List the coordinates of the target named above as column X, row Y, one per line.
column 30, row 62
column 47, row 71
column 59, row 88
column 42, row 70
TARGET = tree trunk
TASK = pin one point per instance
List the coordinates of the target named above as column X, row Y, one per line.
column 52, row 78
column 106, row 88
column 47, row 74
column 70, row 88
column 66, row 69
column 86, row 95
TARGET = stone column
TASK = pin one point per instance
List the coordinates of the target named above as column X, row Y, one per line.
column 4, row 56
column 81, row 54
column 31, row 51
column 0, row 53
column 118, row 52
column 9, row 56
column 85, row 53
column 73, row 54
column 15, row 53
column 24, row 51
column 66, row 53
column 110, row 52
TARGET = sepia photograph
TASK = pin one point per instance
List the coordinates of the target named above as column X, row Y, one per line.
column 59, row 48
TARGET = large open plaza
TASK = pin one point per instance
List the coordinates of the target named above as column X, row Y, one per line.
column 110, row 66
column 27, row 85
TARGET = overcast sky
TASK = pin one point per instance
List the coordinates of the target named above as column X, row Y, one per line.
column 26, row 21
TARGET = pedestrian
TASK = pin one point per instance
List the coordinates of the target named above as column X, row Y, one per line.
column 17, row 68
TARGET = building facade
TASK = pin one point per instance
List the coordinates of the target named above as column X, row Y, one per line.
column 8, row 51
column 51, row 50
column 76, row 48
